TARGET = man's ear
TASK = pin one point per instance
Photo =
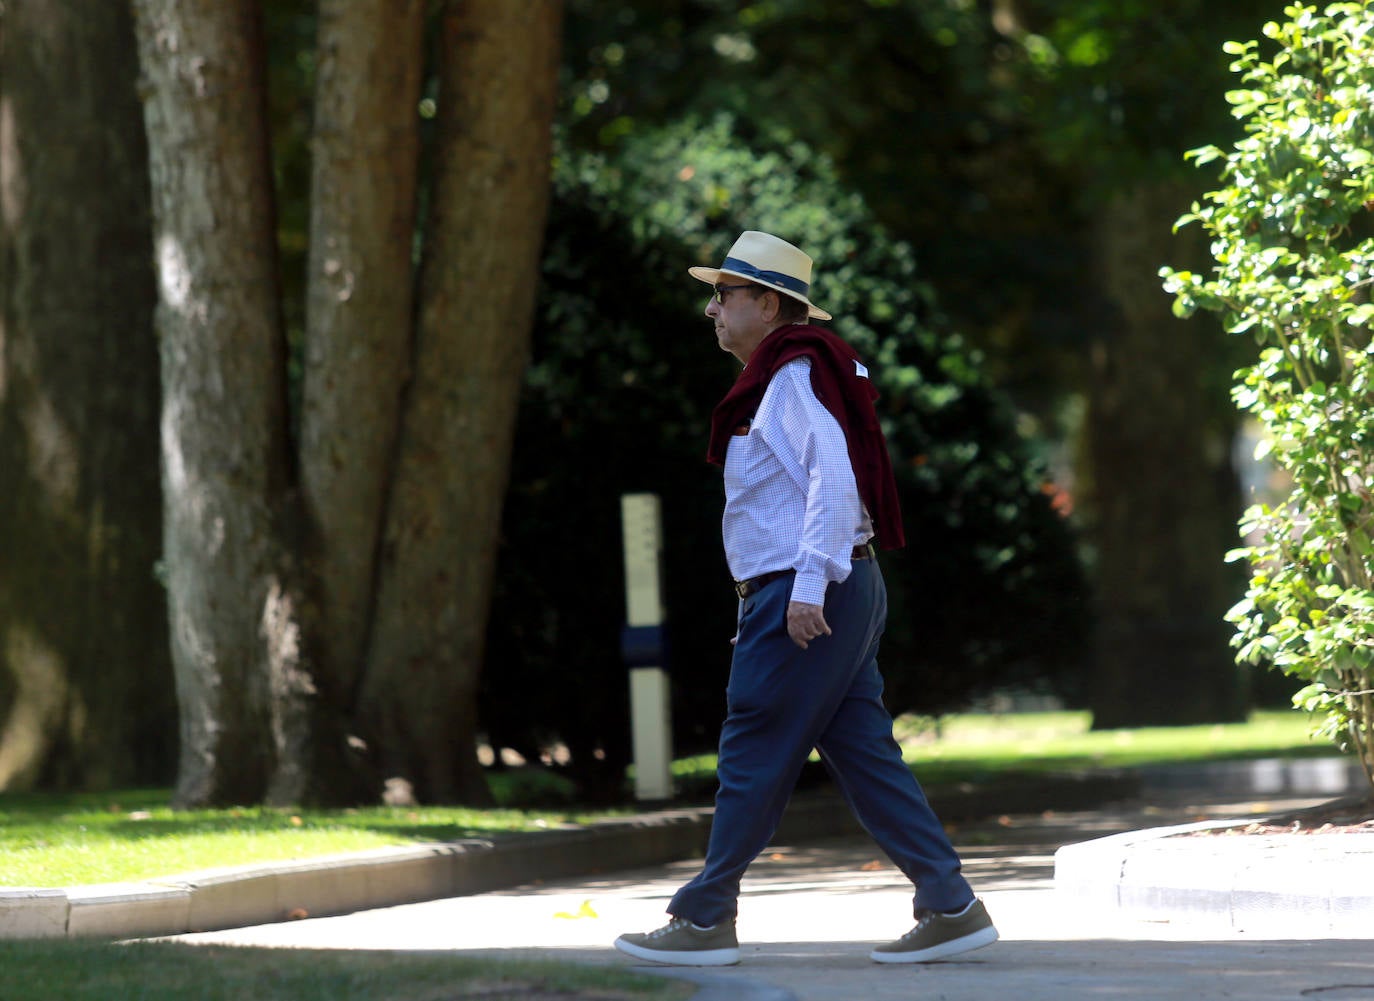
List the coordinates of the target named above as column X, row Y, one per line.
column 773, row 308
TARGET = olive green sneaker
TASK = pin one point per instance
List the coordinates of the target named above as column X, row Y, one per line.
column 940, row 936
column 681, row 943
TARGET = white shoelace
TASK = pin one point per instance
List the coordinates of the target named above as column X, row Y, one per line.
column 674, row 925
column 669, row 928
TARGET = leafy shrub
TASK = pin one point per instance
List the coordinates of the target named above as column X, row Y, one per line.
column 1293, row 243
column 618, row 399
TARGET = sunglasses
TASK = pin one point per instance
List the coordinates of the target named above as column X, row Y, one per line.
column 719, row 291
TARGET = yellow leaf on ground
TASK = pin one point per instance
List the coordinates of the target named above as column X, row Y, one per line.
column 585, row 911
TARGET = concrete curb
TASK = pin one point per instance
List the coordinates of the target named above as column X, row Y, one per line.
column 1308, row 885
column 240, row 896
column 1277, row 885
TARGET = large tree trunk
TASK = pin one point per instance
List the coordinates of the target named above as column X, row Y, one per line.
column 1164, row 494
column 226, row 475
column 359, row 319
column 85, row 684
column 497, row 94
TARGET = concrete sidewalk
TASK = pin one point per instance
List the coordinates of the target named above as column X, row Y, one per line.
column 1327, row 884
column 811, row 911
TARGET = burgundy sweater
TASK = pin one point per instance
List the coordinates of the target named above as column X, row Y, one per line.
column 841, row 390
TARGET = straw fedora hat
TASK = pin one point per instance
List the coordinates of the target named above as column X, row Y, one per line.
column 769, row 261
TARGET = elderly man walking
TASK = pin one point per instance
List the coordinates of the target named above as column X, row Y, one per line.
column 809, row 498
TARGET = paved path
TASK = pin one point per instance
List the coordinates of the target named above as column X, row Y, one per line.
column 810, row 913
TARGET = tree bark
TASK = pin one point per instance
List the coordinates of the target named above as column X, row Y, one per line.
column 234, row 608
column 498, row 84
column 85, row 681
column 359, row 318
column 1164, row 496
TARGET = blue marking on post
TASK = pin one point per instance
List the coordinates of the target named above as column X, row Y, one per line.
column 644, row 646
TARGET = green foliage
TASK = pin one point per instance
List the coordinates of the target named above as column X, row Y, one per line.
column 618, row 399
column 1293, row 243
column 1113, row 86
column 910, row 99
column 988, row 136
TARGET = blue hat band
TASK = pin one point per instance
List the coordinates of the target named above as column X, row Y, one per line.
column 770, row 277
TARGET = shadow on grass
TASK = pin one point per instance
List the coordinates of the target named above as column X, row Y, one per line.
column 163, row 971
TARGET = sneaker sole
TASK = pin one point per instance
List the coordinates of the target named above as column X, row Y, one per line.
column 701, row 957
column 954, row 947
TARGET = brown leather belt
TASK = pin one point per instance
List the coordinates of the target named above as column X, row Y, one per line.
column 744, row 588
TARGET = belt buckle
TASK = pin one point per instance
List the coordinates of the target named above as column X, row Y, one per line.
column 742, row 589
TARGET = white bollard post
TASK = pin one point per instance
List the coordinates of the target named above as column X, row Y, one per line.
column 642, row 646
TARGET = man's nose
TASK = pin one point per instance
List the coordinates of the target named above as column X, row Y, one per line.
column 712, row 307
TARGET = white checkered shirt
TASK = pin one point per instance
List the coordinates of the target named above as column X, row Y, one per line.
column 790, row 496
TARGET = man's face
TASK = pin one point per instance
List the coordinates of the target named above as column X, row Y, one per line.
column 737, row 311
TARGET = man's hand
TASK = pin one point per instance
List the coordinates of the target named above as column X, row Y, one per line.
column 805, row 623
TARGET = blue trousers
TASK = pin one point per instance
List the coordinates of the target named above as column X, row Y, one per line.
column 781, row 702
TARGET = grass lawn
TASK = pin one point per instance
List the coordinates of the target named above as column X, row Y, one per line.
column 973, row 747
column 163, row 971
column 982, row 747
column 56, row 841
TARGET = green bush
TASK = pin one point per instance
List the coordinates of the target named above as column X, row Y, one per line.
column 1293, row 244
column 618, row 399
